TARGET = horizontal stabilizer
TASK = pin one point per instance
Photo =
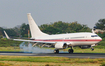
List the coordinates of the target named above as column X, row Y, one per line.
column 6, row 35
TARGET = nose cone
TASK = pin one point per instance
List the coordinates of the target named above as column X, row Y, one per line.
column 100, row 39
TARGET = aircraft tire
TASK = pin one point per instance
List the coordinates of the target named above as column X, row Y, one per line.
column 56, row 51
column 92, row 49
column 70, row 50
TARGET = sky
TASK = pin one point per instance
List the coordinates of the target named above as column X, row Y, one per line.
column 87, row 12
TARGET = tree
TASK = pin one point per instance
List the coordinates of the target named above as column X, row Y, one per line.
column 63, row 27
column 1, row 32
column 74, row 27
column 11, row 32
column 100, row 24
column 24, row 30
column 17, row 30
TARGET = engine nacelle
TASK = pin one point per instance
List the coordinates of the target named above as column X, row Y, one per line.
column 85, row 47
column 61, row 45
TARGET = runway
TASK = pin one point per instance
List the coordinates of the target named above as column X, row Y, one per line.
column 74, row 55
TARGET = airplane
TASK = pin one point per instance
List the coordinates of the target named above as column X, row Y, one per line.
column 61, row 41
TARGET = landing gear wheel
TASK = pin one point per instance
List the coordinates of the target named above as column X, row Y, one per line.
column 70, row 50
column 56, row 51
column 92, row 49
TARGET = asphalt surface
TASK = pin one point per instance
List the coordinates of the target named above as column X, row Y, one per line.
column 74, row 55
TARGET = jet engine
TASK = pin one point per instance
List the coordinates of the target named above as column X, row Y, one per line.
column 85, row 47
column 61, row 45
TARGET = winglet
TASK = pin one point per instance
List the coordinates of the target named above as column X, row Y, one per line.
column 6, row 35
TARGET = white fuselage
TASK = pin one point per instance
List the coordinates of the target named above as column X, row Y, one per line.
column 73, row 39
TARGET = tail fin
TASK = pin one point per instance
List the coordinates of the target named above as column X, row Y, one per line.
column 35, row 31
column 6, row 35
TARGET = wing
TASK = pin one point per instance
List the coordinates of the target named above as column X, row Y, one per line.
column 32, row 41
column 24, row 40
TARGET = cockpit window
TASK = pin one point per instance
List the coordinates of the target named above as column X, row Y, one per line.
column 94, row 35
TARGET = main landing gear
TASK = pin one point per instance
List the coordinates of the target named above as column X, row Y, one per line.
column 71, row 50
column 56, row 51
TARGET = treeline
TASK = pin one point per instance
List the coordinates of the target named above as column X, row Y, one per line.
column 64, row 27
column 18, row 31
column 52, row 28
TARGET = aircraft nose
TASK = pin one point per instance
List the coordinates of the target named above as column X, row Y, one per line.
column 100, row 38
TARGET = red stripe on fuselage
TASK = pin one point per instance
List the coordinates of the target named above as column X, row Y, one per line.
column 68, row 40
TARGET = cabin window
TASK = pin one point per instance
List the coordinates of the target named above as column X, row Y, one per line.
column 66, row 38
column 77, row 37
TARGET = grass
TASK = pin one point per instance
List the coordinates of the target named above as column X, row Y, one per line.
column 76, row 50
column 48, row 61
column 16, row 63
column 5, row 64
column 10, row 49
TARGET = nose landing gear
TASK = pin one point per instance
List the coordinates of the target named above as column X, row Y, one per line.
column 92, row 49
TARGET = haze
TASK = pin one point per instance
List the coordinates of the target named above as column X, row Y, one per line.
column 14, row 12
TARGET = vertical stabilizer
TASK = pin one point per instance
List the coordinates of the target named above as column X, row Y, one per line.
column 35, row 31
